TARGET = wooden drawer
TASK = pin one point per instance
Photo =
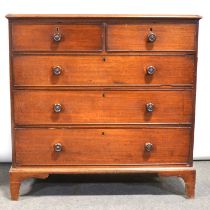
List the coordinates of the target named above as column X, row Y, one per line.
column 169, row 37
column 36, row 107
column 102, row 70
column 75, row 37
column 102, row 146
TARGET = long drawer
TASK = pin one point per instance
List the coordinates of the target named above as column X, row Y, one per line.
column 102, row 70
column 102, row 146
column 65, row 107
column 57, row 37
column 134, row 37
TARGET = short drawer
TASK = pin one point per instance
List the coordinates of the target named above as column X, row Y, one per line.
column 102, row 70
column 75, row 146
column 168, row 37
column 73, row 37
column 67, row 107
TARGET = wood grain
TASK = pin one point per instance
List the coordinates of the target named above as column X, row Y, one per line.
column 36, row 107
column 19, row 174
column 131, row 37
column 40, row 37
column 102, row 146
column 108, row 70
column 103, row 90
column 17, row 177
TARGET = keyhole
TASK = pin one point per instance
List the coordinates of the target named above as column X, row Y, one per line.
column 104, row 59
column 102, row 133
column 103, row 95
column 150, row 29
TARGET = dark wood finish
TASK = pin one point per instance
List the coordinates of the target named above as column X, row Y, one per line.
column 102, row 70
column 134, row 37
column 36, row 107
column 100, row 92
column 40, row 37
column 102, row 146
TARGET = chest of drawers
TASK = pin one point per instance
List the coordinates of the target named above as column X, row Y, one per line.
column 102, row 94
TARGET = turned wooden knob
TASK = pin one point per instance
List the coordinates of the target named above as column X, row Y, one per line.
column 57, row 37
column 150, row 107
column 151, row 37
column 57, row 108
column 56, row 70
column 148, row 147
column 150, row 70
column 57, row 147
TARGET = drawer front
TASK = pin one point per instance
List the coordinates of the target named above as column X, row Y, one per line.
column 42, row 107
column 169, row 36
column 41, row 37
column 102, row 146
column 102, row 70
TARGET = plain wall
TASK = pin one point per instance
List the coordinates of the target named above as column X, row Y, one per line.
column 202, row 134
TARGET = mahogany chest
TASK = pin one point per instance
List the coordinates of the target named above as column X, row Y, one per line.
column 102, row 94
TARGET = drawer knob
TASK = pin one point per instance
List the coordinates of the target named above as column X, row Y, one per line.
column 151, row 70
column 151, row 37
column 148, row 147
column 57, row 37
column 58, row 147
column 57, row 108
column 150, row 107
column 56, row 70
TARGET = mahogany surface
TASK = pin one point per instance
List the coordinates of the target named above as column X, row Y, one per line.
column 109, row 70
column 102, row 146
column 36, row 106
column 103, row 88
column 170, row 37
column 74, row 37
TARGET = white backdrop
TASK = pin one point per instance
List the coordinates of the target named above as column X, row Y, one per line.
column 202, row 129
